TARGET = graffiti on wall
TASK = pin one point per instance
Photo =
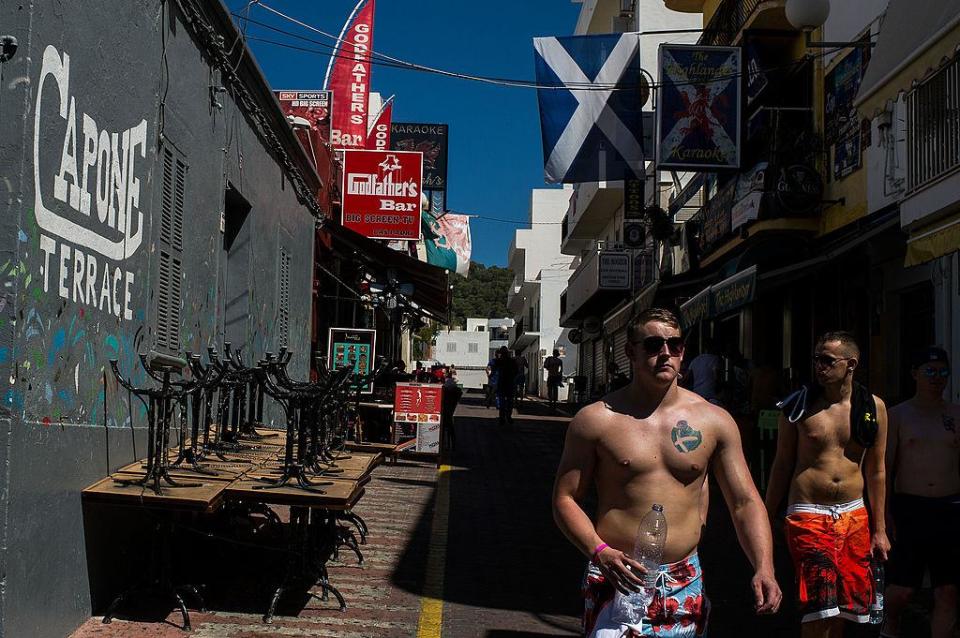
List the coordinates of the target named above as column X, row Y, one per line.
column 97, row 225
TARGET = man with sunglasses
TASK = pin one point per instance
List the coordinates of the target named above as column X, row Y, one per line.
column 652, row 442
column 923, row 454
column 831, row 443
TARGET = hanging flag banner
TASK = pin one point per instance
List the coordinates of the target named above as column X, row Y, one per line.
column 429, row 139
column 699, row 107
column 348, row 76
column 381, row 193
column 447, row 240
column 590, row 107
column 378, row 137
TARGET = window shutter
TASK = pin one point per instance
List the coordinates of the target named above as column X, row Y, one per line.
column 170, row 269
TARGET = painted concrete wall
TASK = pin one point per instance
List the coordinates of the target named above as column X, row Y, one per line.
column 453, row 347
column 78, row 262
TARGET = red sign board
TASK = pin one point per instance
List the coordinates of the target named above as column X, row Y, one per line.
column 381, row 193
column 417, row 402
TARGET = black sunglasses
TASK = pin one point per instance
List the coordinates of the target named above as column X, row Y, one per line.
column 826, row 361
column 930, row 373
column 654, row 345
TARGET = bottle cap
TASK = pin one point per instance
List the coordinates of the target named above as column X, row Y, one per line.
column 657, row 507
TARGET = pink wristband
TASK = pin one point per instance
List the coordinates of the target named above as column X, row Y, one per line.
column 599, row 548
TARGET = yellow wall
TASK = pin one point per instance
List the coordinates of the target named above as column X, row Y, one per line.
column 709, row 8
column 917, row 70
column 853, row 187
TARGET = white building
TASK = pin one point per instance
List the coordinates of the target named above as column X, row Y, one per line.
column 540, row 274
column 470, row 350
column 610, row 284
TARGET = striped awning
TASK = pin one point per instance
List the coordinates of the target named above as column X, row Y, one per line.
column 935, row 240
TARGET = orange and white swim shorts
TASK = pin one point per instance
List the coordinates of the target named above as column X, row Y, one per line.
column 830, row 546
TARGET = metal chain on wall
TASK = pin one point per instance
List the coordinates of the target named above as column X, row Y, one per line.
column 213, row 45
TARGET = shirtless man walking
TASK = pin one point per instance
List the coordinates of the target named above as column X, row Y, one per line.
column 832, row 435
column 652, row 442
column 923, row 455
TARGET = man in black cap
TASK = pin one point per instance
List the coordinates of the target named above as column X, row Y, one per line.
column 923, row 457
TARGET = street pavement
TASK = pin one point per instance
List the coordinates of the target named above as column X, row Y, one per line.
column 469, row 550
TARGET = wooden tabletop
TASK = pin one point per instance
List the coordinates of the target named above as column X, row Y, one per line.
column 383, row 448
column 338, row 495
column 204, row 498
column 224, row 471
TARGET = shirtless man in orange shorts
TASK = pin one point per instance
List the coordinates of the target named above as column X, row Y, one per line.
column 652, row 442
column 832, row 435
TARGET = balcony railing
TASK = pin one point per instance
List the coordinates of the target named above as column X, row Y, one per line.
column 933, row 127
column 727, row 21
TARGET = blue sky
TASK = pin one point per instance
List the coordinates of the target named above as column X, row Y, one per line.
column 495, row 151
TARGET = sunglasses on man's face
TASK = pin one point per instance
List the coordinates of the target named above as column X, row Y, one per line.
column 654, row 345
column 931, row 373
column 826, row 361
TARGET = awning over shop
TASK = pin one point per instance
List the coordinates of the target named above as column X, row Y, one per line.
column 620, row 318
column 914, row 39
column 721, row 298
column 431, row 287
column 933, row 241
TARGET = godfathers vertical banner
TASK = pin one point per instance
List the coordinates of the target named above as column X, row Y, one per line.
column 309, row 114
column 348, row 76
column 429, row 139
column 698, row 121
column 378, row 137
column 352, row 348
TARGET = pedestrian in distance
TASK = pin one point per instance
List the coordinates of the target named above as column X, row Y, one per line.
column 652, row 442
column 491, row 387
column 448, row 406
column 830, row 453
column 522, row 368
column 506, row 369
column 554, row 368
column 703, row 373
column 923, row 461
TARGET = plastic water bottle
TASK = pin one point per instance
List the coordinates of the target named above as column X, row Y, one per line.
column 876, row 607
column 648, row 551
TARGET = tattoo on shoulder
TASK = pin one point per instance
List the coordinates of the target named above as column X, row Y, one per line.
column 685, row 438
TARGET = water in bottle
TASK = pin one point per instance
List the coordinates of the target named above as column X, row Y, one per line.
column 648, row 551
column 876, row 607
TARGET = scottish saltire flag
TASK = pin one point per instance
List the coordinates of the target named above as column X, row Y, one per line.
column 591, row 122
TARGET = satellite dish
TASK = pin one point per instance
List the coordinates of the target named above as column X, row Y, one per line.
column 592, row 326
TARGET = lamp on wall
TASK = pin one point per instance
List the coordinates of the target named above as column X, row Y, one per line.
column 809, row 15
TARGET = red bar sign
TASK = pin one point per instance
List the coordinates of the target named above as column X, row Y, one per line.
column 381, row 193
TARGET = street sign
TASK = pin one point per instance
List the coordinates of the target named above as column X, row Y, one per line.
column 381, row 193
column 614, row 270
column 634, row 234
column 633, row 198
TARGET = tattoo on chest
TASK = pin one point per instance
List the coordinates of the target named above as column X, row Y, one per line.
column 948, row 424
column 685, row 438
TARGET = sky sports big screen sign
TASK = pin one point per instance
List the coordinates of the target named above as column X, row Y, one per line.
column 381, row 193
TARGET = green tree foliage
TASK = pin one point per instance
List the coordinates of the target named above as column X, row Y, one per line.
column 482, row 294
